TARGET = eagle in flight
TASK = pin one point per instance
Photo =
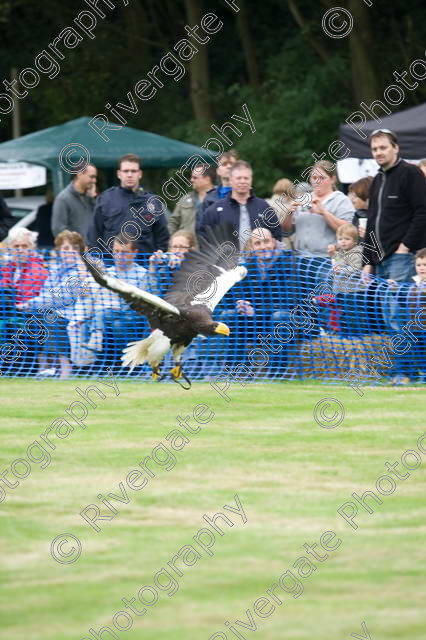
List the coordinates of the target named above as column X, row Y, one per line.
column 197, row 287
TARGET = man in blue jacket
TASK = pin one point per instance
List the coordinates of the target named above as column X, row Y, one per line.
column 241, row 208
column 131, row 211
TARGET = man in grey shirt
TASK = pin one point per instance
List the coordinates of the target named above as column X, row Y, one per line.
column 73, row 208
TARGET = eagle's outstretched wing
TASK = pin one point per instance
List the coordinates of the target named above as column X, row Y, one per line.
column 203, row 278
column 140, row 301
column 206, row 275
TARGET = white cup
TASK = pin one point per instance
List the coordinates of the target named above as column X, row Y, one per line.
column 363, row 223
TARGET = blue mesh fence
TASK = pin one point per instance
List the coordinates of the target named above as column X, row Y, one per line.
column 293, row 317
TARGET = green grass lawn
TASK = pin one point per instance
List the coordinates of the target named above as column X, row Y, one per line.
column 262, row 445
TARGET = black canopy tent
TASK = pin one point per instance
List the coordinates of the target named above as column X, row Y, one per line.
column 409, row 125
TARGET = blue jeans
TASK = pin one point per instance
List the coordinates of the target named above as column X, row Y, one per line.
column 399, row 267
column 412, row 363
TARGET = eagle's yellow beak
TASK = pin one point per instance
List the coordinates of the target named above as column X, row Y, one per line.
column 223, row 329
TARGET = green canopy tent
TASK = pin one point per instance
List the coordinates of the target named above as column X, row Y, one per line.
column 62, row 146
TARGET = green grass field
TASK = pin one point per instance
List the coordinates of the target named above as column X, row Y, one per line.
column 263, row 445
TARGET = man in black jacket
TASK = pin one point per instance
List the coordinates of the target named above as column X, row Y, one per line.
column 6, row 219
column 396, row 225
column 241, row 208
column 129, row 210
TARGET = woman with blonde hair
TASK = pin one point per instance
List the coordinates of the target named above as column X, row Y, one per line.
column 315, row 223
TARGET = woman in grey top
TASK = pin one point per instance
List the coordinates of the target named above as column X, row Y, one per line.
column 316, row 223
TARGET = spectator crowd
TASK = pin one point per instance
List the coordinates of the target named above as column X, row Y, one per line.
column 367, row 249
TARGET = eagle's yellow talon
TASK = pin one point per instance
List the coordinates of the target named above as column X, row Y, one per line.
column 156, row 375
column 176, row 372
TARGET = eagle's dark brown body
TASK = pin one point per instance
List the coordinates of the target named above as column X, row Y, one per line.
column 184, row 328
column 186, row 310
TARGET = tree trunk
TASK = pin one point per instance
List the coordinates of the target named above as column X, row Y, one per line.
column 243, row 25
column 306, row 31
column 136, row 26
column 199, row 69
column 366, row 87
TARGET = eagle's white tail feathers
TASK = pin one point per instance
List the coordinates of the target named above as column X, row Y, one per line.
column 151, row 349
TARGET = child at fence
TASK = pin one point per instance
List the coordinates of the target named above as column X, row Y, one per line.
column 57, row 297
column 410, row 356
column 347, row 262
column 418, row 309
column 358, row 193
column 103, row 308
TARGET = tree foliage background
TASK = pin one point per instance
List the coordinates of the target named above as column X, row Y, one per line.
column 298, row 83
